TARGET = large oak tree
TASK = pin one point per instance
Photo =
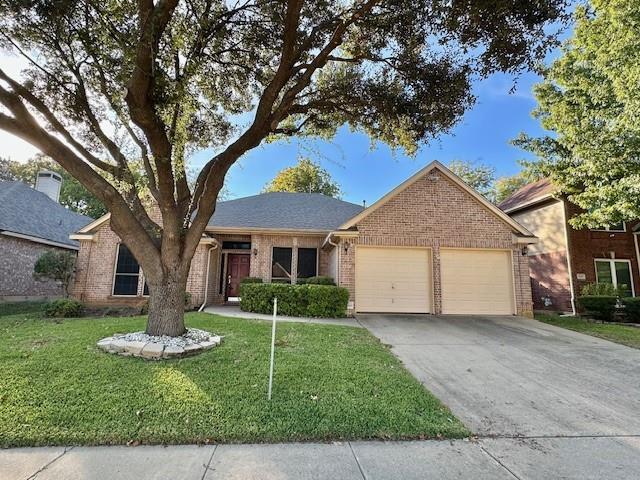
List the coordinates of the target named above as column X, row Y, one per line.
column 120, row 92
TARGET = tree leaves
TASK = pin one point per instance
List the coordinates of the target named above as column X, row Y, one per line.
column 589, row 100
column 307, row 177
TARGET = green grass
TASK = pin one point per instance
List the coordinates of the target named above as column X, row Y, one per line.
column 331, row 382
column 626, row 335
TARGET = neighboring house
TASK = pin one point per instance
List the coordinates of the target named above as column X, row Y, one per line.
column 565, row 259
column 31, row 223
column 432, row 245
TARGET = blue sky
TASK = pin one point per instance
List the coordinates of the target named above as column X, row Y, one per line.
column 482, row 136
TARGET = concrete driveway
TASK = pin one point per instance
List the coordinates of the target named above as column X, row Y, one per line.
column 546, row 402
column 507, row 376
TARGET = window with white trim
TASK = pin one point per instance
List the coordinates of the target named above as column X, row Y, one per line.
column 127, row 273
column 618, row 227
column 616, row 273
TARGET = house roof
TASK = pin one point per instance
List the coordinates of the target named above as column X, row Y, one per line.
column 284, row 211
column 529, row 194
column 455, row 179
column 27, row 212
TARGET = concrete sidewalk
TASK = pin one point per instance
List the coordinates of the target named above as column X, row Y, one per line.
column 234, row 311
column 495, row 459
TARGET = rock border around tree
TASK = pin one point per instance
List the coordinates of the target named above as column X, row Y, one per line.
column 149, row 347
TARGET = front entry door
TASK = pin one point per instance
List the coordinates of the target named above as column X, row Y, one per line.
column 237, row 269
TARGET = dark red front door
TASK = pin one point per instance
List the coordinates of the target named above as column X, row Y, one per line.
column 237, row 269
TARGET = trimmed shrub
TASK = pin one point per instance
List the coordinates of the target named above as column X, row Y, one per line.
column 251, row 280
column 600, row 290
column 294, row 300
column 631, row 309
column 326, row 301
column 63, row 308
column 317, row 281
column 600, row 307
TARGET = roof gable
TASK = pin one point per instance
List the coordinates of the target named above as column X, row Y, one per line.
column 435, row 165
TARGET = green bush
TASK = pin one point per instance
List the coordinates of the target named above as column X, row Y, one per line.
column 631, row 309
column 600, row 290
column 58, row 266
column 326, row 301
column 316, row 281
column 251, row 280
column 294, row 300
column 63, row 308
column 600, row 307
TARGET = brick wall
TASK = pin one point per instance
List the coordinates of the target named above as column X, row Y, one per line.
column 95, row 269
column 437, row 214
column 586, row 245
column 16, row 270
column 550, row 282
column 96, row 265
column 260, row 264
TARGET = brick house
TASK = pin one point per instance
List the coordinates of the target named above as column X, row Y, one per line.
column 565, row 259
column 31, row 223
column 432, row 245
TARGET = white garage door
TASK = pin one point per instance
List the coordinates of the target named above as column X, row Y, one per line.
column 393, row 280
column 476, row 282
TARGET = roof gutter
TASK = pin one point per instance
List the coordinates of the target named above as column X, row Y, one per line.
column 214, row 245
column 339, row 234
column 529, row 203
column 44, row 241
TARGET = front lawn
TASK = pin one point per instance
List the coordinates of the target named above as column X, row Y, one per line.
column 331, row 382
column 626, row 335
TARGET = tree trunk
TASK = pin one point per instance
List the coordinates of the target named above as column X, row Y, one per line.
column 166, row 305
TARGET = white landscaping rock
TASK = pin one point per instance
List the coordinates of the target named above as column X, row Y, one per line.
column 118, row 345
column 152, row 350
column 173, row 351
column 134, row 348
column 105, row 343
column 140, row 344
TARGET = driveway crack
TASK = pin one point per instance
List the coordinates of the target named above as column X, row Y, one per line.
column 48, row 464
column 495, row 459
column 207, row 467
column 364, row 476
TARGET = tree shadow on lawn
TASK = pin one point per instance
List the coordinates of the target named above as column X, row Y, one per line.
column 331, row 382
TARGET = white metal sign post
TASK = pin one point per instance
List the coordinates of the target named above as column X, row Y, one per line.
column 273, row 344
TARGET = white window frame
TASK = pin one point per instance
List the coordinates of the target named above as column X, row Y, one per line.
column 614, row 277
column 608, row 229
column 115, row 273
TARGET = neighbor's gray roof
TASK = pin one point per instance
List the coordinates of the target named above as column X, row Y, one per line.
column 282, row 210
column 27, row 211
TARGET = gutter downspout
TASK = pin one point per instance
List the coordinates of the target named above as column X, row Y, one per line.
column 635, row 240
column 566, row 239
column 206, row 284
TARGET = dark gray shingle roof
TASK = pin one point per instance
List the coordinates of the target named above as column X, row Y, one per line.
column 282, row 210
column 29, row 212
